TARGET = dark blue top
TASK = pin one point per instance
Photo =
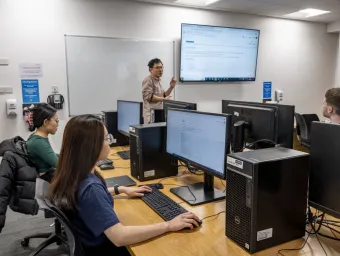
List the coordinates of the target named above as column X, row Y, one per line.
column 94, row 212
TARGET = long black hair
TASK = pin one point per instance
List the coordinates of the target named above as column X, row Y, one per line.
column 41, row 112
column 82, row 144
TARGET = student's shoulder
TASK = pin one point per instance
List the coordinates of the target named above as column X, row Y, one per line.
column 90, row 183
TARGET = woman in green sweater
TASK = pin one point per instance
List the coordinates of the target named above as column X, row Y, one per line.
column 45, row 122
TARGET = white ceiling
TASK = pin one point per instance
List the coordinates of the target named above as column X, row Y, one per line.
column 272, row 8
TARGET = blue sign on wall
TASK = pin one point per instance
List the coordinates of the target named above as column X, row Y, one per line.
column 267, row 90
column 30, row 91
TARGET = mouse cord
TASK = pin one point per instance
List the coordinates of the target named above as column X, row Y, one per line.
column 217, row 214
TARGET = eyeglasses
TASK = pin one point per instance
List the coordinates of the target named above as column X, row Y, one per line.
column 109, row 139
column 159, row 67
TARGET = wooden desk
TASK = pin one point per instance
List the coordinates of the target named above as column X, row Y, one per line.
column 210, row 239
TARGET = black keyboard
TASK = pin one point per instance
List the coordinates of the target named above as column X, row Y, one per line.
column 162, row 204
column 125, row 155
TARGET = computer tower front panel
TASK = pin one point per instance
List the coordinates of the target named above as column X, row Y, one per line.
column 239, row 194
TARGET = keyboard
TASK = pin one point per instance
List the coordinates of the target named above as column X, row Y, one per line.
column 162, row 204
column 125, row 155
column 104, row 162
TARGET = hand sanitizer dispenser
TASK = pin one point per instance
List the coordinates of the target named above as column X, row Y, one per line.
column 12, row 108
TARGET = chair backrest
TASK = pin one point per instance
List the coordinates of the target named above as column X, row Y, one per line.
column 309, row 119
column 302, row 126
column 42, row 197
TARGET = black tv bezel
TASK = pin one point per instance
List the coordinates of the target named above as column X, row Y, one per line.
column 229, row 79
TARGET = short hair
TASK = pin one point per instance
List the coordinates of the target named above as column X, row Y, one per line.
column 152, row 62
column 333, row 99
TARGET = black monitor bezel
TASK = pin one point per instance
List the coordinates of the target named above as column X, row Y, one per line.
column 227, row 144
column 229, row 79
column 191, row 105
column 140, row 113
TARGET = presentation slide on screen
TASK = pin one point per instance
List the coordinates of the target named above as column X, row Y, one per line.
column 218, row 54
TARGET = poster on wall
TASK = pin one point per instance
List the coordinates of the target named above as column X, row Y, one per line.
column 267, row 90
column 30, row 70
column 30, row 91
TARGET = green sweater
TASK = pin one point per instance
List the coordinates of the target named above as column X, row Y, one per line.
column 41, row 153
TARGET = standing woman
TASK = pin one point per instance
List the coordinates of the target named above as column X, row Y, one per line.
column 45, row 122
column 81, row 193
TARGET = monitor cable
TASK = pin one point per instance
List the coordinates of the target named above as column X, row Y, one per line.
column 311, row 220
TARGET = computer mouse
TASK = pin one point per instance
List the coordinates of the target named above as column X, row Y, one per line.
column 159, row 186
column 107, row 167
column 199, row 224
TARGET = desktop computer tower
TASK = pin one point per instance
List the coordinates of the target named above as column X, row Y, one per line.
column 266, row 197
column 111, row 124
column 148, row 156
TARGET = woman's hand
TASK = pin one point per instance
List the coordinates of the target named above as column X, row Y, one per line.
column 136, row 191
column 185, row 220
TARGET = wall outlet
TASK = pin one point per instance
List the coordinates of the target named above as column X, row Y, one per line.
column 55, row 88
column 6, row 89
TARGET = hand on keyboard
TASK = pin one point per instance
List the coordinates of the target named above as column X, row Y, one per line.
column 137, row 191
column 186, row 220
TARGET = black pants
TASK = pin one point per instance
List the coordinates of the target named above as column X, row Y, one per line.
column 106, row 249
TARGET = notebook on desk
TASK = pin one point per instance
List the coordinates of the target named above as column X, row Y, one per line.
column 120, row 181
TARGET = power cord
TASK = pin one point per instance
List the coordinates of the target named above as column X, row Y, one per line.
column 311, row 220
column 217, row 214
column 225, row 187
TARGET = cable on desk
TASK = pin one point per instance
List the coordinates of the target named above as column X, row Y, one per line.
column 225, row 187
column 217, row 214
column 311, row 220
column 184, row 187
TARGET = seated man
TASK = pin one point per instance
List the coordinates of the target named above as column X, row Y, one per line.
column 331, row 105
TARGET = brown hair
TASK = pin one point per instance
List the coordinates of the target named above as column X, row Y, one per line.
column 82, row 144
column 333, row 99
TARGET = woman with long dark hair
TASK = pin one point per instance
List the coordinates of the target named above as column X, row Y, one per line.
column 80, row 191
column 45, row 122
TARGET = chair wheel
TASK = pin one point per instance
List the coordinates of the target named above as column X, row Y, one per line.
column 25, row 243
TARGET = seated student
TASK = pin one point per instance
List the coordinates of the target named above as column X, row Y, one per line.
column 331, row 105
column 45, row 122
column 79, row 190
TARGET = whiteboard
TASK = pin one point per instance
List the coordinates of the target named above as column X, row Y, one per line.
column 101, row 71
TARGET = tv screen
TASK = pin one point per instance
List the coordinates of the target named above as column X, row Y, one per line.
column 218, row 54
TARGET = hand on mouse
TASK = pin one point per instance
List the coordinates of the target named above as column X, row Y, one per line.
column 185, row 220
column 136, row 191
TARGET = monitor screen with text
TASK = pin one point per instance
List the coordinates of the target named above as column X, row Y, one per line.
column 198, row 138
column 218, row 54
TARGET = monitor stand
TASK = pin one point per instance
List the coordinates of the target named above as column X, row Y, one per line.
column 204, row 192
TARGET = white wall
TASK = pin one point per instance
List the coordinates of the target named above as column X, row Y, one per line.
column 298, row 57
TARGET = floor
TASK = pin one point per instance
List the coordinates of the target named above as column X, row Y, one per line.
column 18, row 226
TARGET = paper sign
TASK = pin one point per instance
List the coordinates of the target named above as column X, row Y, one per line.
column 30, row 91
column 267, row 90
column 30, row 70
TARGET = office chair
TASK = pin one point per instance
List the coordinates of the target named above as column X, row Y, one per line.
column 63, row 233
column 304, row 124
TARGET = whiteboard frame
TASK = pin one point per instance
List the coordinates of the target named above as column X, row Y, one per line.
column 116, row 38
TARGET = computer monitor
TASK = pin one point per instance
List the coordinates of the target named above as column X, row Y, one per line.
column 284, row 130
column 177, row 105
column 201, row 140
column 129, row 113
column 324, row 177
